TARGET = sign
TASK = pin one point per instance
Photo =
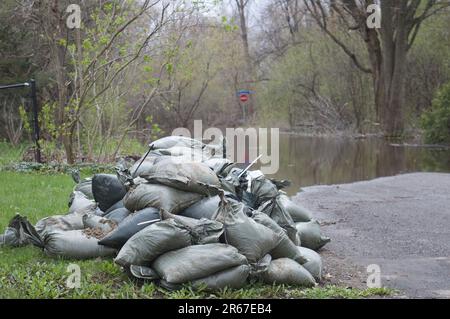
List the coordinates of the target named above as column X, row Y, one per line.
column 244, row 95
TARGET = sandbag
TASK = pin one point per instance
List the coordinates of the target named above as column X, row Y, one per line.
column 117, row 205
column 142, row 166
column 94, row 221
column 203, row 231
column 188, row 176
column 263, row 189
column 78, row 203
column 20, row 232
column 253, row 240
column 285, row 248
column 85, row 187
column 299, row 213
column 74, row 244
column 218, row 165
column 118, row 215
column 160, row 197
column 311, row 236
column 314, row 263
column 195, row 262
column 288, row 272
column 275, row 210
column 72, row 221
column 107, row 190
column 171, row 141
column 204, row 208
column 149, row 243
column 130, row 226
column 143, row 272
column 234, row 277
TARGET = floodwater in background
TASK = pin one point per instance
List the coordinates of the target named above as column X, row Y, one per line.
column 307, row 161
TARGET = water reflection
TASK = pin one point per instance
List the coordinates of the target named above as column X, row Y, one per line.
column 314, row 160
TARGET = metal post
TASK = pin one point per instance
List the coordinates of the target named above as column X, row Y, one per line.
column 36, row 121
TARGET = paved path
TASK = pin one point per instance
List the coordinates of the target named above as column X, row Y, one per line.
column 401, row 223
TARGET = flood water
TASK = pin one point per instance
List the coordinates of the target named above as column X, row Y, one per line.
column 307, row 161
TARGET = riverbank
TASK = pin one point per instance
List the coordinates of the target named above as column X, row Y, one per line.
column 401, row 223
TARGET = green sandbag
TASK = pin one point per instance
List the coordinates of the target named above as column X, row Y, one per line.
column 204, row 208
column 160, row 197
column 311, row 236
column 253, row 240
column 299, row 213
column 234, row 277
column 187, row 176
column 314, row 264
column 152, row 241
column 196, row 262
column 285, row 247
column 263, row 189
column 288, row 272
column 202, row 231
column 275, row 210
column 74, row 244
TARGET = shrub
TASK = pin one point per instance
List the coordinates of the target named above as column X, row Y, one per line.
column 436, row 121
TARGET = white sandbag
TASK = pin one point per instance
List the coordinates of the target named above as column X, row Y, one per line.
column 74, row 244
column 314, row 263
column 172, row 141
column 196, row 262
column 146, row 245
column 288, row 272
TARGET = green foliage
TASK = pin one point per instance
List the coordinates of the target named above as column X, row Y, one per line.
column 436, row 121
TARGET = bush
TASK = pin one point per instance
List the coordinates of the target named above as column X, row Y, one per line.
column 436, row 121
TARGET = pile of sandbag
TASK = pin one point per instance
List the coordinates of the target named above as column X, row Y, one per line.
column 184, row 214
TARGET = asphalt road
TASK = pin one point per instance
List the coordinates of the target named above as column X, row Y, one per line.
column 401, row 223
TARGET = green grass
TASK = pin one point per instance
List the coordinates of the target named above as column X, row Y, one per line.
column 9, row 154
column 27, row 272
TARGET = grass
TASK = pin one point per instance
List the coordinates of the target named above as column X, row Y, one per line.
column 27, row 272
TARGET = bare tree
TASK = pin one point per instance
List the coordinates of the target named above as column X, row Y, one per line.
column 387, row 47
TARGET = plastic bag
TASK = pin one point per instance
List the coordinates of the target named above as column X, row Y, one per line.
column 107, row 190
column 288, row 272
